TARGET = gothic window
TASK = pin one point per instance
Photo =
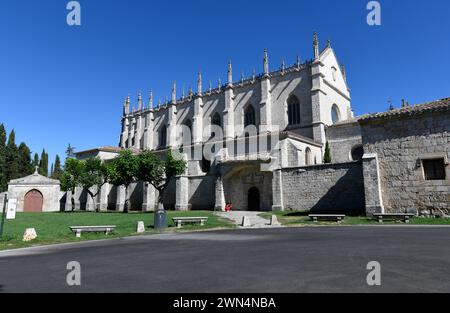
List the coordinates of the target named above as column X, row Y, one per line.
column 335, row 114
column 206, row 165
column 216, row 120
column 357, row 153
column 187, row 137
column 249, row 116
column 434, row 169
column 163, row 137
column 308, row 156
column 293, row 110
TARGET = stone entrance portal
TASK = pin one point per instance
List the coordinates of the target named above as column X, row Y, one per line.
column 33, row 201
column 253, row 199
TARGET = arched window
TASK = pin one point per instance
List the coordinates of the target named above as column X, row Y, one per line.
column 333, row 72
column 308, row 156
column 163, row 137
column 249, row 116
column 335, row 114
column 357, row 153
column 186, row 138
column 293, row 110
column 216, row 120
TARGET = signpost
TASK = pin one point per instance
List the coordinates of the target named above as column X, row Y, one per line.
column 5, row 201
column 11, row 212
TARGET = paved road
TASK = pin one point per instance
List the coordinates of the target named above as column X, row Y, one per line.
column 318, row 259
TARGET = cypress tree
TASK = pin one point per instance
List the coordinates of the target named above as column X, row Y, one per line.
column 43, row 163
column 25, row 166
column 57, row 168
column 3, row 182
column 12, row 158
column 36, row 161
column 327, row 155
column 51, row 170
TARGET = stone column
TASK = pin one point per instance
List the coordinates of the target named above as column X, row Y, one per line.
column 266, row 105
column 317, row 94
column 103, row 197
column 220, row 195
column 120, row 202
column 182, row 193
column 277, row 191
column 372, row 184
column 149, row 200
column 76, row 198
column 228, row 113
column 68, row 206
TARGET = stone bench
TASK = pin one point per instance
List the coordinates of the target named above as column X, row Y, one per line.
column 327, row 217
column 393, row 217
column 179, row 221
column 77, row 230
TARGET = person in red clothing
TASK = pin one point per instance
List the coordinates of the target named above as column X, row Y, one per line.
column 228, row 207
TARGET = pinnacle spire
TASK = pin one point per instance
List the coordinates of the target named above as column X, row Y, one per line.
column 283, row 65
column 139, row 101
column 150, row 100
column 298, row 61
column 174, row 92
column 242, row 78
column 266, row 62
column 253, row 75
column 199, row 83
column 230, row 74
column 316, row 46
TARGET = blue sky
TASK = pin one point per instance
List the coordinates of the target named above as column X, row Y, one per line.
column 61, row 84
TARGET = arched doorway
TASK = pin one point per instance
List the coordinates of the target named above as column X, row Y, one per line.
column 253, row 199
column 33, row 201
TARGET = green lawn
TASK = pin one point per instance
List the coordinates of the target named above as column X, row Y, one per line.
column 291, row 218
column 54, row 227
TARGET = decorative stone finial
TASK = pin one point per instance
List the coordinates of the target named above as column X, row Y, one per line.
column 139, row 101
column 328, row 43
column 242, row 78
column 253, row 75
column 316, row 46
column 174, row 92
column 230, row 74
column 210, row 87
column 219, row 85
column 199, row 83
column 298, row 62
column 266, row 63
column 150, row 100
column 283, row 65
column 36, row 170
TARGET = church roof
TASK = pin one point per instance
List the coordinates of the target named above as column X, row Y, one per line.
column 433, row 106
column 103, row 148
column 34, row 179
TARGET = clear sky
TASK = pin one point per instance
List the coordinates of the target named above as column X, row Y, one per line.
column 61, row 84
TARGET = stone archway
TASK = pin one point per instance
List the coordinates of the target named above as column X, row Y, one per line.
column 253, row 199
column 33, row 201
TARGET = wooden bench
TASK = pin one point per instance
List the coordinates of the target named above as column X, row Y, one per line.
column 77, row 230
column 326, row 217
column 393, row 216
column 179, row 221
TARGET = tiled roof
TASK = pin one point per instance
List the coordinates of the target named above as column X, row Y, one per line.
column 34, row 179
column 433, row 106
column 104, row 149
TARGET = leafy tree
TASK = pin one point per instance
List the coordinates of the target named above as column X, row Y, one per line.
column 122, row 170
column 43, row 163
column 327, row 155
column 56, row 173
column 158, row 173
column 25, row 165
column 3, row 178
column 12, row 158
column 86, row 174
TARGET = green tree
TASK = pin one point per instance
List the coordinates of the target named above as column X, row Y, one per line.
column 24, row 160
column 56, row 173
column 158, row 173
column 122, row 170
column 70, row 151
column 36, row 160
column 43, row 163
column 3, row 178
column 327, row 155
column 90, row 174
column 12, row 158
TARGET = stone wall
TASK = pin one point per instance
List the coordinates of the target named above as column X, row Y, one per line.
column 342, row 138
column 401, row 144
column 324, row 188
column 201, row 192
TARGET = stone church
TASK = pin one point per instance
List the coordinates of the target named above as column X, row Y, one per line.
column 259, row 141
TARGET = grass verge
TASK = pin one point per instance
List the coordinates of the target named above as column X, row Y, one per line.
column 54, row 227
column 291, row 218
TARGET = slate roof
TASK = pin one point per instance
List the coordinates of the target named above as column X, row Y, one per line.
column 433, row 106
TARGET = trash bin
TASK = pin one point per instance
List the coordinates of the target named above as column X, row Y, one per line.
column 160, row 218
